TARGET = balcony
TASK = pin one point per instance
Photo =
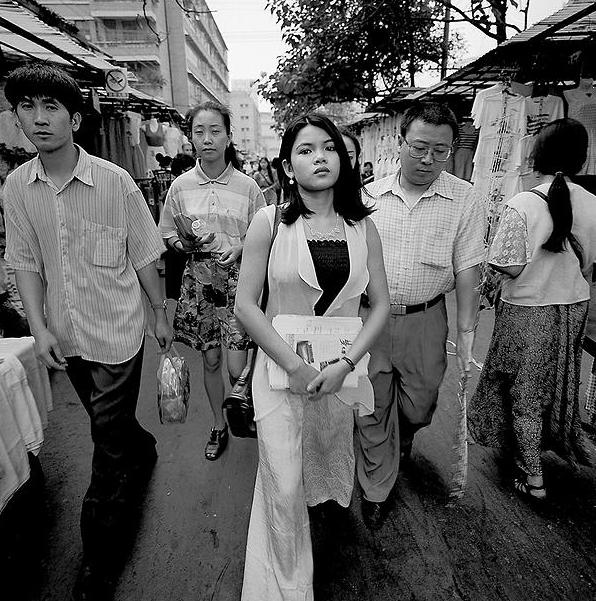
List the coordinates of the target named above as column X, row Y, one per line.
column 122, row 9
column 142, row 49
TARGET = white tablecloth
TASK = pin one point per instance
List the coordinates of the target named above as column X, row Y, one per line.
column 25, row 399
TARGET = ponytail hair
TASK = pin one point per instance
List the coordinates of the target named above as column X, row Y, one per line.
column 230, row 155
column 561, row 149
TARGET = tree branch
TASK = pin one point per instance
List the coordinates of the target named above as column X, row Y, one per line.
column 468, row 19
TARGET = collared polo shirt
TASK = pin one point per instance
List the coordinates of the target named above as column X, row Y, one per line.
column 86, row 240
column 226, row 205
column 426, row 245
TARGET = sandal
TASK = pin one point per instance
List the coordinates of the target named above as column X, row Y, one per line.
column 529, row 491
column 217, row 443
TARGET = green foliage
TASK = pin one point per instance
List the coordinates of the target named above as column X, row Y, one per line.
column 346, row 50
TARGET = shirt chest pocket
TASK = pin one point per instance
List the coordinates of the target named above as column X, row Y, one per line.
column 437, row 249
column 104, row 245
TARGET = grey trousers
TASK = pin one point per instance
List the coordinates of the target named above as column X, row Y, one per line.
column 406, row 368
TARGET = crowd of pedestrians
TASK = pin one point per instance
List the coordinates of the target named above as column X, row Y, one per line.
column 84, row 247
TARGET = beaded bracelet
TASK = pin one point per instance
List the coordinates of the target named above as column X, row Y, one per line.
column 349, row 362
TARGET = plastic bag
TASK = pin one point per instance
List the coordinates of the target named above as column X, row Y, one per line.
column 173, row 388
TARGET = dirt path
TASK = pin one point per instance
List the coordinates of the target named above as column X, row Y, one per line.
column 192, row 533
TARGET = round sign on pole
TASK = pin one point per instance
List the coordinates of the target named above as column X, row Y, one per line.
column 116, row 81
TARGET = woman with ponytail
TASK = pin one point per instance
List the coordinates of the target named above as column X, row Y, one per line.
column 527, row 400
column 205, row 219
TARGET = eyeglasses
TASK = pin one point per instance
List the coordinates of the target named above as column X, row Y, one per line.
column 419, row 151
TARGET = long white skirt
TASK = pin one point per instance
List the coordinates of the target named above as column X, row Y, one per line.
column 306, row 457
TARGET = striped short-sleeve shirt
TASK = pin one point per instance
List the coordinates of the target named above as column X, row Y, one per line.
column 426, row 245
column 86, row 240
column 225, row 205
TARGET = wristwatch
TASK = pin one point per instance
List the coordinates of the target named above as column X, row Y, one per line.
column 161, row 305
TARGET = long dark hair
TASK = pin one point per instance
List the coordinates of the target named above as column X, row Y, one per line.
column 349, row 134
column 346, row 191
column 230, row 155
column 269, row 172
column 560, row 149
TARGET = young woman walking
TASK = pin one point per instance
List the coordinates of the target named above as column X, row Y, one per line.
column 527, row 397
column 267, row 181
column 206, row 216
column 325, row 255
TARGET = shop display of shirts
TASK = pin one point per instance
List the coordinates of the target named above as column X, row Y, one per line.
column 463, row 158
column 581, row 103
column 540, row 110
column 172, row 140
column 154, row 137
column 501, row 117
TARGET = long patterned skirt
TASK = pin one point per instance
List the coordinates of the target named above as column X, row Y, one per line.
column 527, row 399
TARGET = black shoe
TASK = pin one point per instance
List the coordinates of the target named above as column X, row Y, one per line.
column 374, row 514
column 217, row 443
column 93, row 584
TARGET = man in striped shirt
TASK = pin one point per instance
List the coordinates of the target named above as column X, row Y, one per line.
column 83, row 243
column 431, row 225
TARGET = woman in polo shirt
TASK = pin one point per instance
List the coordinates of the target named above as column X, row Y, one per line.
column 206, row 215
column 527, row 399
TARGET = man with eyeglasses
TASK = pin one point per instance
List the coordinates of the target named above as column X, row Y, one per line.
column 432, row 228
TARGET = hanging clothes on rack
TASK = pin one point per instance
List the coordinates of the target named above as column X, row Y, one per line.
column 154, row 135
column 540, row 110
column 133, row 134
column 581, row 102
column 463, row 158
column 500, row 114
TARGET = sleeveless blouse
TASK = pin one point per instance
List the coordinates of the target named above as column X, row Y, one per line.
column 302, row 281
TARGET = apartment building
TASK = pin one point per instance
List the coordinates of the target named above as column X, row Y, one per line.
column 245, row 117
column 270, row 140
column 173, row 48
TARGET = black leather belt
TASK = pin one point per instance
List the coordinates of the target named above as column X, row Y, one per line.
column 408, row 309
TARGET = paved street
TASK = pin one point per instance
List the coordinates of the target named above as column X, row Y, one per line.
column 192, row 533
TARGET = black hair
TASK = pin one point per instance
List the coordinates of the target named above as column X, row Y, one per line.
column 230, row 155
column 368, row 163
column 269, row 172
column 40, row 80
column 349, row 134
column 433, row 113
column 560, row 149
column 181, row 163
column 347, row 200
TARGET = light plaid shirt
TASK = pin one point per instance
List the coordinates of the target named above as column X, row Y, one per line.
column 425, row 246
column 87, row 241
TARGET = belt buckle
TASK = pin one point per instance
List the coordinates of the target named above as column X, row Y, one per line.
column 398, row 309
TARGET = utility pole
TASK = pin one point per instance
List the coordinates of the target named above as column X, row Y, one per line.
column 445, row 52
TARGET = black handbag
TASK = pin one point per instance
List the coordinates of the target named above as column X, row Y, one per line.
column 238, row 407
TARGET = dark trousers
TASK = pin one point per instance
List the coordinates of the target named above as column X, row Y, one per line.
column 121, row 447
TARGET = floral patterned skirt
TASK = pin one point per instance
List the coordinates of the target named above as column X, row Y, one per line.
column 527, row 399
column 204, row 317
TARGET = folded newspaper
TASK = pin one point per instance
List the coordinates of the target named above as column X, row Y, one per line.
column 320, row 341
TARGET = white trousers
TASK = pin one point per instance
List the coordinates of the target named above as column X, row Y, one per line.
column 279, row 565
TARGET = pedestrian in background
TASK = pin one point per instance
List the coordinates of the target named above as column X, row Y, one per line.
column 205, row 218
column 367, row 173
column 83, row 243
column 527, row 399
column 432, row 229
column 353, row 148
column 325, row 255
column 267, row 181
